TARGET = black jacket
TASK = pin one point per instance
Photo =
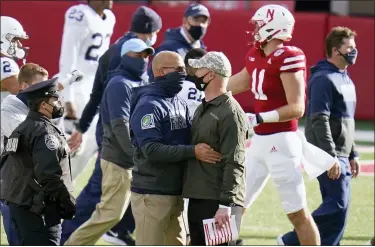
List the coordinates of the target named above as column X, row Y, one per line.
column 36, row 153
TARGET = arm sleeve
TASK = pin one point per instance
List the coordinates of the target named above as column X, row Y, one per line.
column 321, row 98
column 146, row 128
column 47, row 169
column 92, row 106
column 75, row 31
column 353, row 153
column 118, row 101
column 10, row 122
column 233, row 135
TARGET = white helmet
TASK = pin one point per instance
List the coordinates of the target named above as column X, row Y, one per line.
column 272, row 22
column 10, row 29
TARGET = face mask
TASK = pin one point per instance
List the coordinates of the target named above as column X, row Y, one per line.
column 200, row 84
column 350, row 57
column 57, row 110
column 152, row 41
column 172, row 82
column 197, row 32
column 135, row 66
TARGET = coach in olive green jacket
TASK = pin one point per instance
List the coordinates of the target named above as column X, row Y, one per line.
column 221, row 123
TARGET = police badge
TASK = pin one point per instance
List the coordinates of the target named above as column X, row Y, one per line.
column 52, row 142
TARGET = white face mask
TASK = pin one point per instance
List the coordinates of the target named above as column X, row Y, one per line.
column 152, row 41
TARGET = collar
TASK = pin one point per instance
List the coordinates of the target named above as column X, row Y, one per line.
column 38, row 116
column 195, row 44
column 218, row 100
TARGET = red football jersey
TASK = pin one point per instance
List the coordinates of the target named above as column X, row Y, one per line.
column 266, row 83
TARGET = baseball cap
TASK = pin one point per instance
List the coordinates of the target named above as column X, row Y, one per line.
column 145, row 20
column 8, row 68
column 196, row 9
column 215, row 61
column 136, row 45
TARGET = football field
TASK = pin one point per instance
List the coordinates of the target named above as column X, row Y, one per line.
column 265, row 219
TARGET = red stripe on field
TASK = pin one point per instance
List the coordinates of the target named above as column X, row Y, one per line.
column 368, row 168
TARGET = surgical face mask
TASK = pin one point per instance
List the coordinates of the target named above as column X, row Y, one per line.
column 350, row 57
column 57, row 109
column 151, row 41
column 197, row 32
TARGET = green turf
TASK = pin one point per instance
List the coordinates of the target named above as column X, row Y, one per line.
column 367, row 156
column 266, row 220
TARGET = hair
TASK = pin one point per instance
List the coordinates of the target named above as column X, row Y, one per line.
column 29, row 71
column 336, row 38
column 195, row 53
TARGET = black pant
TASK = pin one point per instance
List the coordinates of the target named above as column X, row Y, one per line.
column 199, row 210
column 31, row 227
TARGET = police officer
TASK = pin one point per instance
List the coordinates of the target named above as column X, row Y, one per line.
column 36, row 161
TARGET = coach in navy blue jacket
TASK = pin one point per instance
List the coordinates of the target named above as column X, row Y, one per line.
column 189, row 35
column 145, row 25
column 330, row 126
column 117, row 151
column 160, row 130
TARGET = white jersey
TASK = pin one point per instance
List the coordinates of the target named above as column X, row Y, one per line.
column 85, row 39
column 8, row 68
column 191, row 95
column 13, row 112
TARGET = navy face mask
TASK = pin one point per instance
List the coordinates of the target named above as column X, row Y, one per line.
column 350, row 57
column 172, row 82
column 135, row 66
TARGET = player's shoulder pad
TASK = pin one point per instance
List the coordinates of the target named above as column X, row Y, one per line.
column 77, row 15
column 111, row 17
column 9, row 67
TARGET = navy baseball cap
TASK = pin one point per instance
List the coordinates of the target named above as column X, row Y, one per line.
column 196, row 9
column 42, row 89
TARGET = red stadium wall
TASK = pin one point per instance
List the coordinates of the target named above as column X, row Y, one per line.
column 43, row 21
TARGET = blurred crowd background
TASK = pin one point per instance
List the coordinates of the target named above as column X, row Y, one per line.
column 44, row 20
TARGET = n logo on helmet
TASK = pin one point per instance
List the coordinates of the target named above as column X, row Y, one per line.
column 270, row 13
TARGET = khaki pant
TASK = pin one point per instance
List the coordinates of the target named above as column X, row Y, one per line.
column 158, row 219
column 113, row 204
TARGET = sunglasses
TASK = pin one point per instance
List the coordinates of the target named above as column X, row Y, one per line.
column 177, row 69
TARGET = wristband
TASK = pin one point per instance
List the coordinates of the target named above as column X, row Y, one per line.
column 270, row 116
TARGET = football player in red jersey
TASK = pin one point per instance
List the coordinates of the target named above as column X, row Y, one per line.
column 276, row 75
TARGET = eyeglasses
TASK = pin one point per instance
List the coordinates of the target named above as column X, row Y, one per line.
column 177, row 69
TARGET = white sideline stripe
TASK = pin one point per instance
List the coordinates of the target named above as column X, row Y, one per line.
column 292, row 59
column 293, row 66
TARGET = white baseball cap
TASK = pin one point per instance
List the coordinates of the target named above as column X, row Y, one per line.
column 136, row 45
column 8, row 68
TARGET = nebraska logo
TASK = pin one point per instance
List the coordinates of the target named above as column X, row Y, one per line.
column 270, row 14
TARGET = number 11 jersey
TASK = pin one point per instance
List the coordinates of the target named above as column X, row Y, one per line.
column 266, row 84
column 85, row 39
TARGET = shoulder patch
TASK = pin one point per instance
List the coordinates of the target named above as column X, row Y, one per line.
column 52, row 142
column 148, row 122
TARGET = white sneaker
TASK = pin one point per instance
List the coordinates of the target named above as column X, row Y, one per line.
column 112, row 238
column 279, row 240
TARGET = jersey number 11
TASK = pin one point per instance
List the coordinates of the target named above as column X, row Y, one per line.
column 258, row 90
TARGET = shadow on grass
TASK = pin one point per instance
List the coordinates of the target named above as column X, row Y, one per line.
column 353, row 238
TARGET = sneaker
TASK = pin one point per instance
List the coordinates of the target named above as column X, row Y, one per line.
column 279, row 240
column 118, row 238
column 239, row 242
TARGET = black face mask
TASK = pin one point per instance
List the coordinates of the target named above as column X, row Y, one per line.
column 57, row 111
column 350, row 57
column 197, row 32
column 200, row 84
column 135, row 66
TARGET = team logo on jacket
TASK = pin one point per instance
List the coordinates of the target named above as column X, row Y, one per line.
column 52, row 142
column 148, row 122
column 178, row 122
